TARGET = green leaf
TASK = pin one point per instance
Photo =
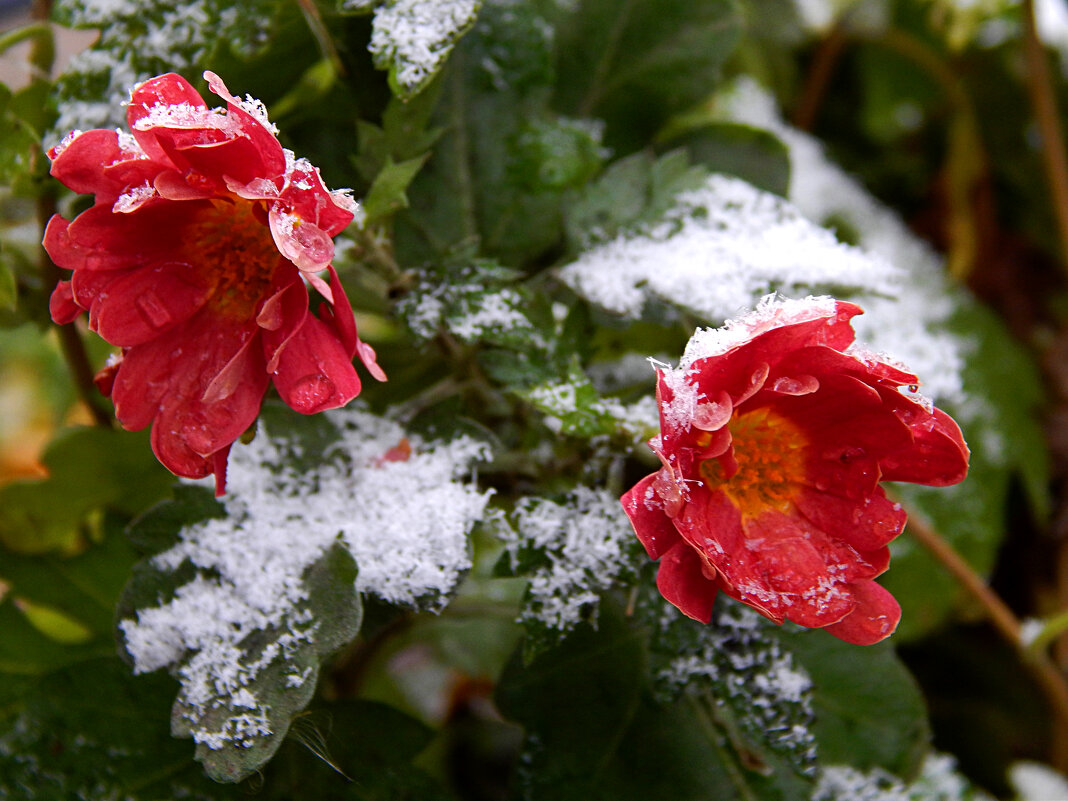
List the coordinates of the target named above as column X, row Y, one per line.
column 476, row 188
column 83, row 588
column 412, row 40
column 634, row 190
column 89, row 732
column 352, row 750
column 239, row 727
column 138, row 41
column 387, row 193
column 605, row 736
column 751, row 154
column 636, row 64
column 25, row 650
column 90, row 469
column 8, row 289
column 869, row 710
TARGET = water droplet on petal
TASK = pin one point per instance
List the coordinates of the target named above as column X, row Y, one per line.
column 311, row 392
column 153, row 308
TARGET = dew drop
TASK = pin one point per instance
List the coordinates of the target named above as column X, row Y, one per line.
column 311, row 392
column 153, row 308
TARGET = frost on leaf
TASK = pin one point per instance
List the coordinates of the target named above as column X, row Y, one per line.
column 244, row 605
column 752, row 678
column 571, row 551
column 412, row 38
column 938, row 781
column 911, row 320
column 142, row 38
column 718, row 249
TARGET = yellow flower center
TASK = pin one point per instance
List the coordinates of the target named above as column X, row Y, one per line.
column 232, row 249
column 770, row 453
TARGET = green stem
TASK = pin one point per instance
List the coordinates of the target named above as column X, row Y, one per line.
column 1053, row 628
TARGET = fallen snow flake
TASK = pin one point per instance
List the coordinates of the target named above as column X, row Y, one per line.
column 412, row 38
column 497, row 312
column 717, row 250
column 583, row 545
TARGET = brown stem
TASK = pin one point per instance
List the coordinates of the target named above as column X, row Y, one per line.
column 819, row 76
column 70, row 341
column 1046, row 675
column 1044, row 103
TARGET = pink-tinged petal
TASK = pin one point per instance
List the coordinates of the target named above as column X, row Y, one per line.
column 58, row 246
column 314, row 373
column 790, row 574
column 823, row 360
column 79, row 165
column 170, row 94
column 342, row 317
column 147, row 302
column 300, row 241
column 283, row 314
column 256, row 130
column 938, row 455
column 173, row 186
column 866, row 523
column 874, row 618
column 307, row 197
column 646, row 512
column 236, row 157
column 682, row 582
column 369, row 359
column 61, row 304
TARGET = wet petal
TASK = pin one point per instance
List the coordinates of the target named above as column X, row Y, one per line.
column 646, row 512
column 314, row 373
column 682, row 582
column 874, row 618
column 147, row 302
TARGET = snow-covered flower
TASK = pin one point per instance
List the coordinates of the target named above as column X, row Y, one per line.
column 195, row 259
column 775, row 432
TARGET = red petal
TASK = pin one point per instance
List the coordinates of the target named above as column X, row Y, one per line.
column 789, row 573
column 163, row 90
column 147, row 302
column 938, row 456
column 866, row 523
column 682, row 583
column 646, row 512
column 61, row 304
column 299, row 240
column 314, row 373
column 151, row 234
column 875, row 617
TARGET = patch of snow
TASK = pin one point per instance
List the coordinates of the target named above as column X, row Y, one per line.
column 404, row 521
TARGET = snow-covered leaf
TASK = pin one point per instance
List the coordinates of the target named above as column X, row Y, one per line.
column 718, row 249
column 143, row 38
column 413, row 38
column 243, row 607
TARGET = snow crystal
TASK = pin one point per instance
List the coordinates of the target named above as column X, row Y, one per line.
column 907, row 318
column 497, row 311
column 745, row 669
column 938, row 781
column 1034, row 781
column 771, row 312
column 405, row 523
column 133, row 198
column 588, row 543
column 416, row 36
column 716, row 251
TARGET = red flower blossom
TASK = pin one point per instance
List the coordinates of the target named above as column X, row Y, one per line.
column 774, row 435
column 195, row 259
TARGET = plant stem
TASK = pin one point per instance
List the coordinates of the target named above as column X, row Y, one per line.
column 1044, row 103
column 819, row 76
column 1048, row 677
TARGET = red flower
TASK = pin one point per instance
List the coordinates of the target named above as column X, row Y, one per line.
column 195, row 260
column 774, row 436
